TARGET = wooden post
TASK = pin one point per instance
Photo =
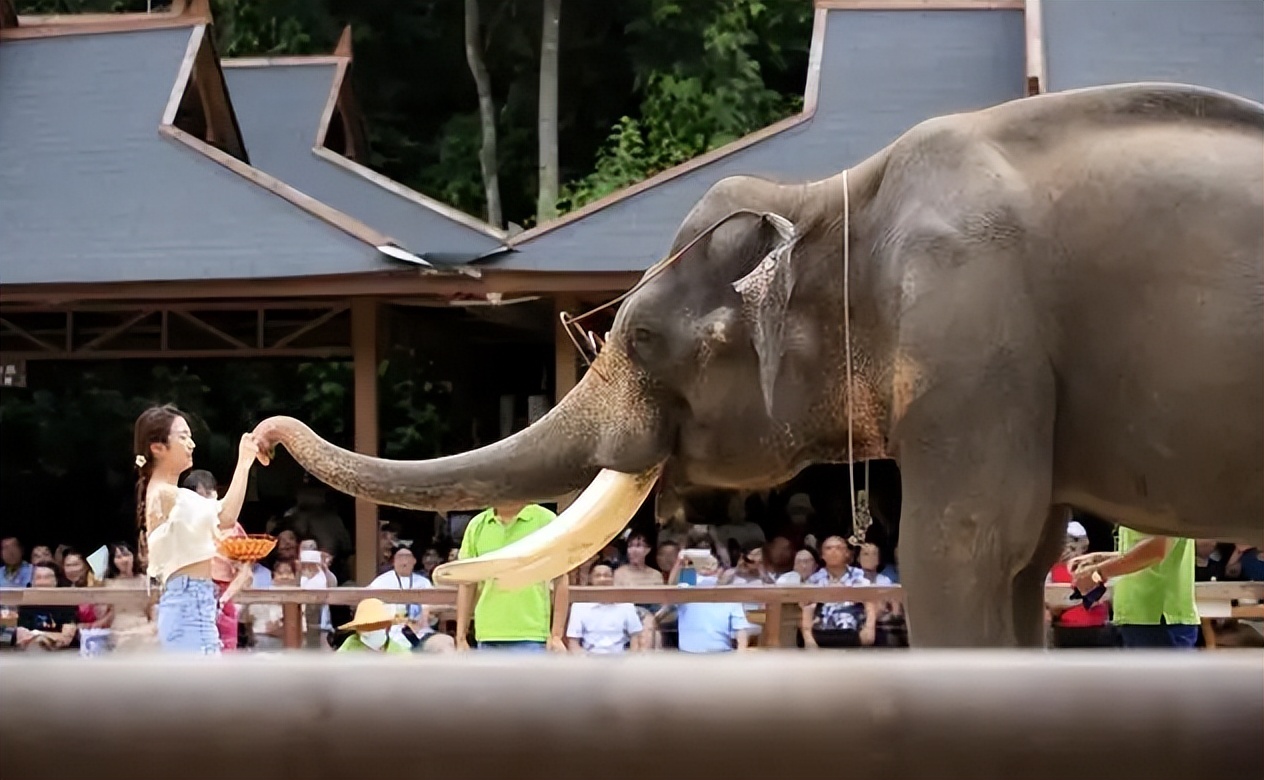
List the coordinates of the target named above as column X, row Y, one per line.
column 292, row 625
column 771, row 634
column 364, row 340
column 565, row 368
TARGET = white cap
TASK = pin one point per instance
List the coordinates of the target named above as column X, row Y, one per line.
column 310, row 556
column 1074, row 529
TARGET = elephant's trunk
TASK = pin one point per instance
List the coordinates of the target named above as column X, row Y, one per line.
column 560, row 453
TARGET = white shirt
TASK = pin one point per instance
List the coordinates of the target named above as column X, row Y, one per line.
column 603, row 628
column 318, row 582
column 389, row 580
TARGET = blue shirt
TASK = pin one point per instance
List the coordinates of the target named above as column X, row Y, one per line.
column 709, row 628
column 18, row 579
column 1252, row 565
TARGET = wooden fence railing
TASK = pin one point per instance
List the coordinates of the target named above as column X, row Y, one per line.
column 1215, row 599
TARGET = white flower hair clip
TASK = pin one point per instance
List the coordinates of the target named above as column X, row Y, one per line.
column 140, row 461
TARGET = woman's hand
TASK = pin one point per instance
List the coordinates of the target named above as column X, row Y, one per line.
column 247, row 450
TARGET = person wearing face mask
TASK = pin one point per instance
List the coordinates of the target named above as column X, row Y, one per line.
column 372, row 626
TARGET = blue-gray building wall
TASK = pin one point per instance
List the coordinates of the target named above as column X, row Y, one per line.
column 1209, row 43
column 279, row 108
column 882, row 72
column 90, row 192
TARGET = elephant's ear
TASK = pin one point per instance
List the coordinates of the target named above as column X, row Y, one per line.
column 765, row 295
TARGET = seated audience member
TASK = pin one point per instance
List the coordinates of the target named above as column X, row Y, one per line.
column 581, row 575
column 778, row 558
column 17, row 573
column 711, row 627
column 844, row 623
column 636, row 573
column 602, row 628
column 892, row 570
column 41, row 553
column 749, row 572
column 372, row 626
column 133, row 629
column 266, row 620
column 46, row 628
column 314, row 574
column 1209, row 561
column 417, row 617
column 892, row 630
column 662, row 622
column 79, row 575
column 430, row 560
column 806, row 563
column 1245, row 563
column 1075, row 626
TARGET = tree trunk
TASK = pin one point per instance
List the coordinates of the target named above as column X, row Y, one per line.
column 546, row 203
column 486, row 112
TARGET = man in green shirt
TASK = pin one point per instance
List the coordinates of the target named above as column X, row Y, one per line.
column 1153, row 596
column 504, row 619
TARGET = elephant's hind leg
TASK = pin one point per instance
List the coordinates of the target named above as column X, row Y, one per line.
column 1028, row 589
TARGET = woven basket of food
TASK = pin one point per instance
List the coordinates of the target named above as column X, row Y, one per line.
column 247, row 549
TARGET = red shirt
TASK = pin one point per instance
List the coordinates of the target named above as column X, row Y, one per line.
column 1078, row 616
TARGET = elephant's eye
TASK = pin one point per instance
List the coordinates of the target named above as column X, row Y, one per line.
column 645, row 342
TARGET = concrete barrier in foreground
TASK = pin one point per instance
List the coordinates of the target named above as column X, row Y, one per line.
column 974, row 715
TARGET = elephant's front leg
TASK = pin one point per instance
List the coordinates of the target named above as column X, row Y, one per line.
column 975, row 463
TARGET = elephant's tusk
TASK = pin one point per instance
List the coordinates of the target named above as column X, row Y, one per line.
column 587, row 525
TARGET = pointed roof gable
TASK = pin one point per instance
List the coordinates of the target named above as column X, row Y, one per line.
column 876, row 69
column 290, row 106
column 104, row 178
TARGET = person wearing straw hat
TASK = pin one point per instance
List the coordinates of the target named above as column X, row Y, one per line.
column 371, row 624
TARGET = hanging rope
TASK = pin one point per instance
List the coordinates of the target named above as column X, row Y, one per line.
column 860, row 517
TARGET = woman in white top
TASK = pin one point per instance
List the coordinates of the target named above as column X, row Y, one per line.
column 181, row 527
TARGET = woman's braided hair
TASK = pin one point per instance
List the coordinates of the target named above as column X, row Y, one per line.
column 152, row 427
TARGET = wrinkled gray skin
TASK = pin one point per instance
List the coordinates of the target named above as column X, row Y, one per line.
column 1055, row 302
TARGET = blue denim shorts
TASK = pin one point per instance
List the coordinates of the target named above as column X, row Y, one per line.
column 186, row 616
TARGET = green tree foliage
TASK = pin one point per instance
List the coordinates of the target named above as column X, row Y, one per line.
column 701, row 70
column 644, row 84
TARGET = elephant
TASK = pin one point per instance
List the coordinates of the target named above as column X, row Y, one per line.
column 1054, row 302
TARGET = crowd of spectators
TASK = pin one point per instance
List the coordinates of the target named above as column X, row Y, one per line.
column 801, row 546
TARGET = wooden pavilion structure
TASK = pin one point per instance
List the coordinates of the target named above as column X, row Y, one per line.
column 154, row 202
